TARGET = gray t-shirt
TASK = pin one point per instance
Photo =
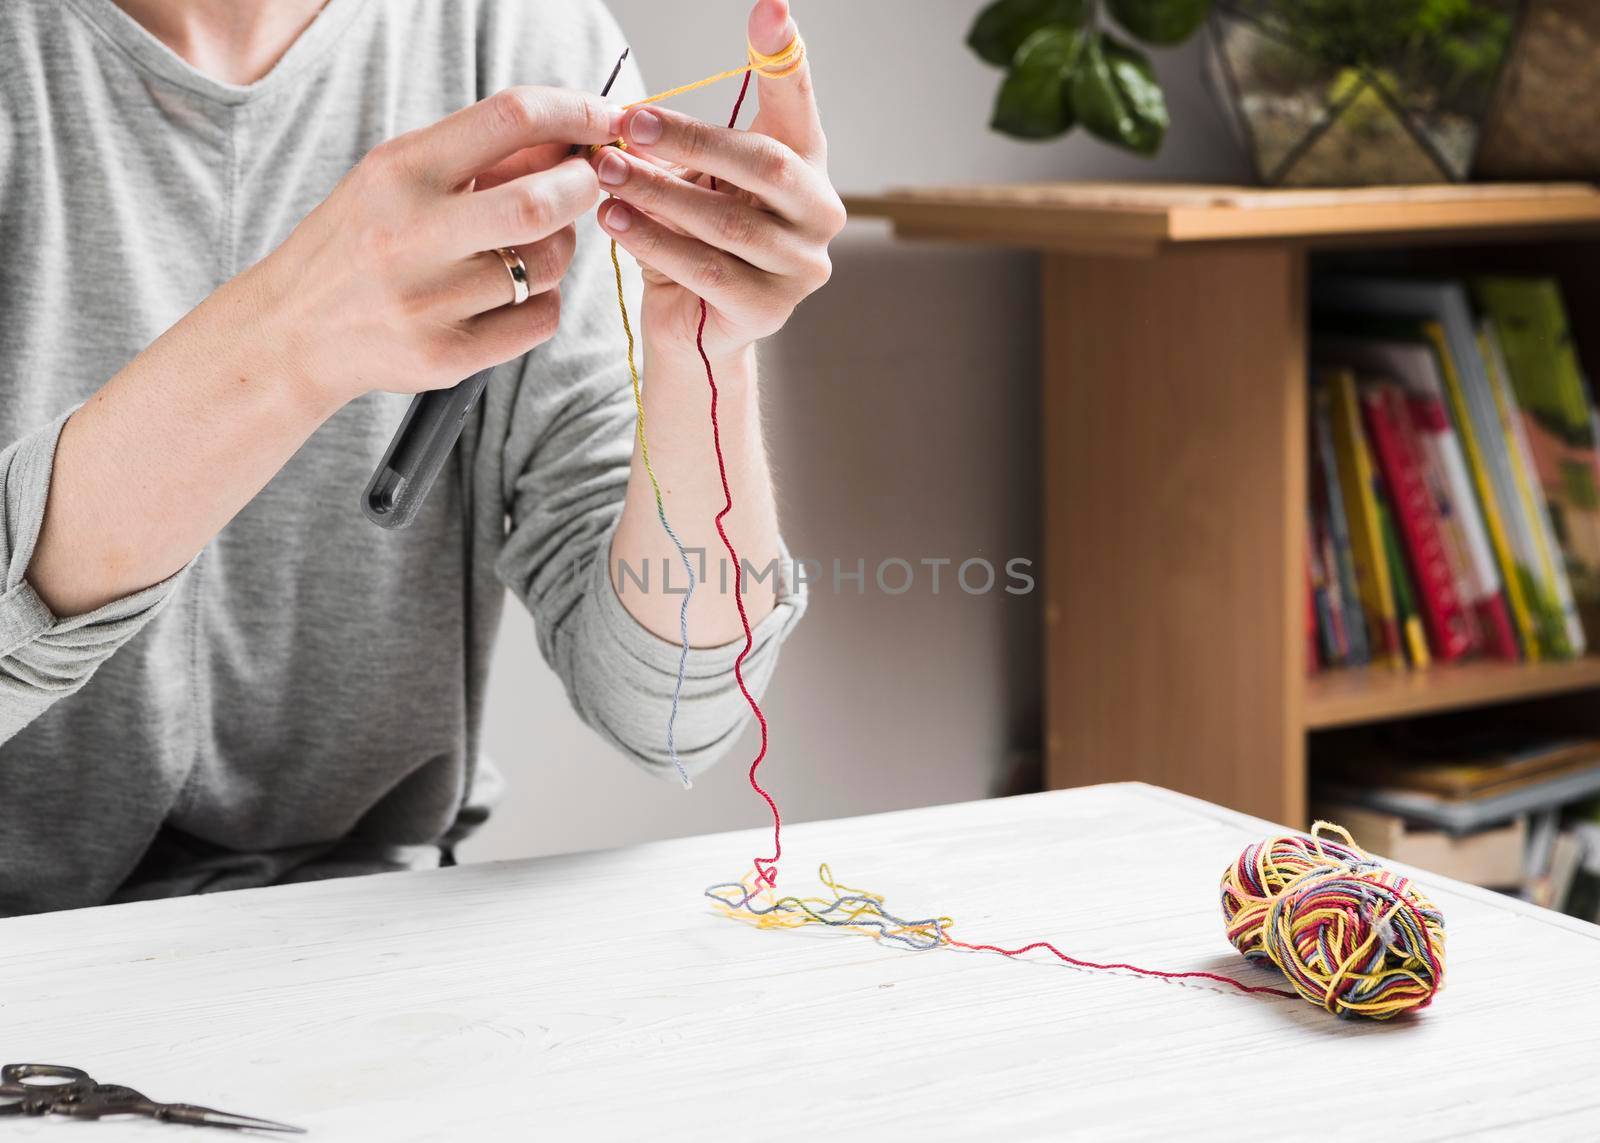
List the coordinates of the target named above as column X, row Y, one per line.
column 305, row 699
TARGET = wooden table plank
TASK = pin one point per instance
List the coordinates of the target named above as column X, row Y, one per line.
column 596, row 996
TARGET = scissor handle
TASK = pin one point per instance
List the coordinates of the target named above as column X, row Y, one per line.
column 23, row 1093
column 54, row 1075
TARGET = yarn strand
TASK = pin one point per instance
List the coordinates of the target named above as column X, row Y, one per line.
column 661, row 514
column 766, row 868
column 779, row 66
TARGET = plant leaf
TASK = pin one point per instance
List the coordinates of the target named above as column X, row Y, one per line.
column 1115, row 95
column 1161, row 22
column 1035, row 100
column 1004, row 26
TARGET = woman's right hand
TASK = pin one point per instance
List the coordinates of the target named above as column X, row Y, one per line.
column 392, row 282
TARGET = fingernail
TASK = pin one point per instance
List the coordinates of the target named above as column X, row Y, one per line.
column 615, row 114
column 613, row 169
column 619, row 218
column 646, row 128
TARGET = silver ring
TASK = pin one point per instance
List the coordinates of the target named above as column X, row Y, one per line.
column 519, row 274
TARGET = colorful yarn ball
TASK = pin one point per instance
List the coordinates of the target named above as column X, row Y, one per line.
column 1351, row 936
column 1263, row 871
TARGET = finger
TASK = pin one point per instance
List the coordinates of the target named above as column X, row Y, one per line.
column 788, row 105
column 759, row 163
column 524, row 210
column 721, row 279
column 528, row 161
column 719, row 219
column 482, row 282
column 500, row 335
column 455, row 149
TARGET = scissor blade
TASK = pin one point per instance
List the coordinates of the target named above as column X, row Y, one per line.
column 211, row 1117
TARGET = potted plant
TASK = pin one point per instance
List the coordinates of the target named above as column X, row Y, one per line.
column 1322, row 92
column 1065, row 68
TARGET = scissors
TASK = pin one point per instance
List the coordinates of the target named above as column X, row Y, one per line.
column 45, row 1089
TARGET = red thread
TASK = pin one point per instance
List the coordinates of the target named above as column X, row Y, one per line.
column 1072, row 960
column 766, row 867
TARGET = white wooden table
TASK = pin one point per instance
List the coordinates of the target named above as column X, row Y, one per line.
column 598, row 997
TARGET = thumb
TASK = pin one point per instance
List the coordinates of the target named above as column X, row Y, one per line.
column 788, row 106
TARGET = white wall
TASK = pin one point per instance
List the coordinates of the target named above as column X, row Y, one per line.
column 902, row 411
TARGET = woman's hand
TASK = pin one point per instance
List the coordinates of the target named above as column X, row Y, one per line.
column 392, row 282
column 384, row 285
column 756, row 245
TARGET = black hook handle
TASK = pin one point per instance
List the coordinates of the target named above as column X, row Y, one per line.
column 418, row 453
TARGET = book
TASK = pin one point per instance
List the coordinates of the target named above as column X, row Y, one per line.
column 1546, row 589
column 1471, row 767
column 1358, row 484
column 1328, row 501
column 1552, row 394
column 1445, row 303
column 1405, row 596
column 1463, row 815
column 1491, row 857
column 1394, row 440
column 1472, row 483
column 1551, row 888
column 1330, row 641
column 1416, row 365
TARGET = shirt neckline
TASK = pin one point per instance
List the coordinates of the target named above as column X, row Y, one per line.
column 145, row 50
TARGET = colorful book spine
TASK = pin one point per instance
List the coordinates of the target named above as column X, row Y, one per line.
column 1452, row 441
column 1545, row 590
column 1394, row 441
column 1342, row 566
column 1405, row 596
column 1431, row 435
column 1328, row 650
column 1358, row 482
column 1530, row 320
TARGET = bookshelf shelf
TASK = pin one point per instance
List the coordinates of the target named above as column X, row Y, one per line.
column 1142, row 219
column 1175, row 327
column 1375, row 694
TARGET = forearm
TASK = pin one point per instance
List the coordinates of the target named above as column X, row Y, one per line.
column 384, row 285
column 677, row 415
column 165, row 454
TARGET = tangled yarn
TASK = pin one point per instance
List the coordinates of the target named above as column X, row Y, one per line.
column 1351, row 936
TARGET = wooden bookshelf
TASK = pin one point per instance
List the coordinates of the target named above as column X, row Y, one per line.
column 1373, row 694
column 1175, row 331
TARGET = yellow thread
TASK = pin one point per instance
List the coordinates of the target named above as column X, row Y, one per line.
column 781, row 66
column 865, row 917
column 633, row 373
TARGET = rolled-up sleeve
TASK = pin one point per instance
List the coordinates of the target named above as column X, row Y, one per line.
column 623, row 676
column 44, row 658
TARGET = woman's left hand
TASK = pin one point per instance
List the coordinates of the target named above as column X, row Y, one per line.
column 747, row 229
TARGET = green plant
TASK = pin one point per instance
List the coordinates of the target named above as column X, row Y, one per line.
column 1065, row 70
